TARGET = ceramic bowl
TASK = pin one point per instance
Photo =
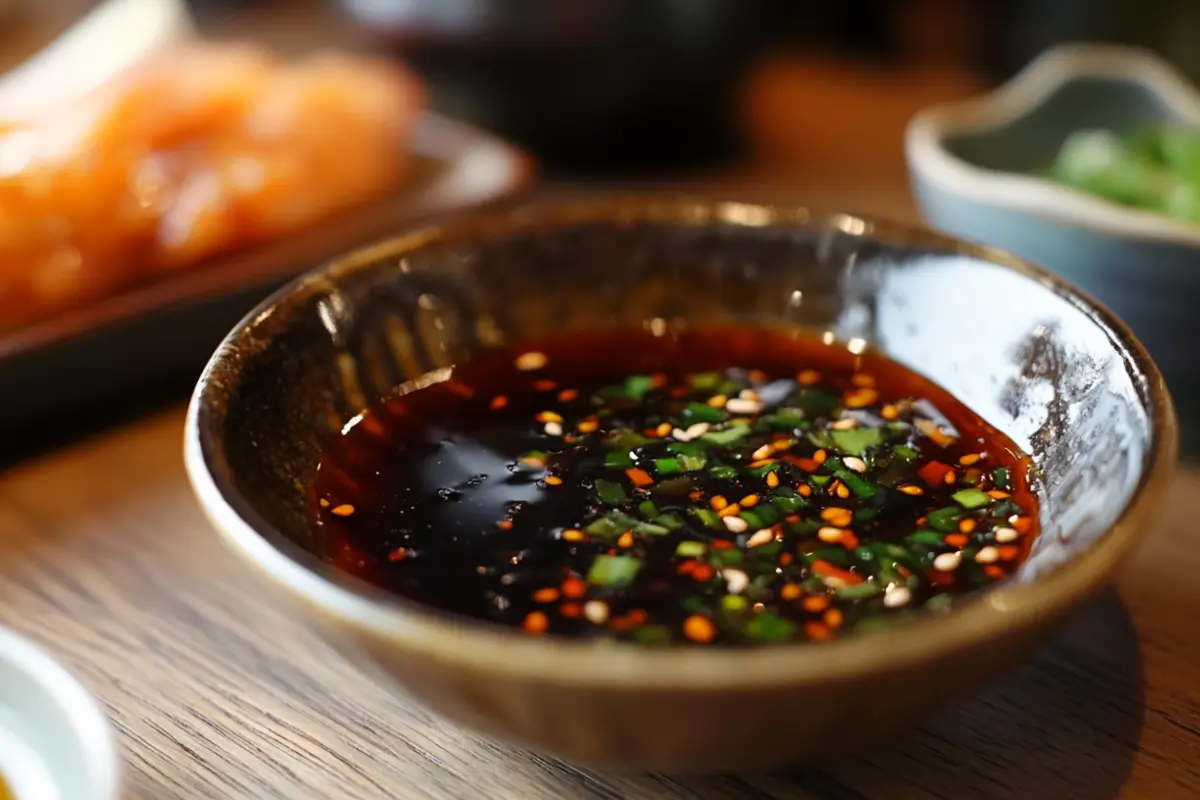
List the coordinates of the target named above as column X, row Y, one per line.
column 1056, row 372
column 55, row 741
column 972, row 164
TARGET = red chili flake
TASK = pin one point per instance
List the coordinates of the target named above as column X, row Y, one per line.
column 1009, row 551
column 934, row 473
column 849, row 540
column 574, row 588
column 678, row 392
column 547, row 595
column 785, row 559
column 956, row 540
column 817, row 631
column 459, row 388
column 637, row 616
column 702, row 573
column 567, row 395
column 570, row 610
column 686, row 567
column 544, row 385
column 498, row 402
column 536, row 622
column 994, row 572
column 1022, row 524
column 699, row 629
column 815, row 604
column 827, row 570
column 639, row 477
column 722, row 544
column 505, row 524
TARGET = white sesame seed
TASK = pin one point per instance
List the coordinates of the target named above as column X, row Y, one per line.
column 761, row 537
column 596, row 611
column 553, row 429
column 897, row 596
column 855, row 463
column 1006, row 535
column 763, row 452
column 681, row 435
column 987, row 555
column 748, row 394
column 739, row 405
column 527, row 362
column 736, row 524
column 845, row 424
column 698, row 429
column 735, row 580
column 947, row 562
column 830, row 535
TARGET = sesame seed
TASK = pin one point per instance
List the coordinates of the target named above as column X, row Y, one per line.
column 947, row 562
column 736, row 524
column 735, row 580
column 553, row 429
column 717, row 401
column 739, row 405
column 855, row 463
column 987, row 555
column 698, row 429
column 749, row 501
column 839, row 517
column 573, row 535
column 548, row 416
column 830, row 535
column 969, row 459
column 699, row 629
column 748, row 394
column 1006, row 535
column 681, row 435
column 772, row 479
column 527, row 362
column 912, row 490
column 596, row 611
column 763, row 452
column 344, row 510
column 897, row 596
column 552, row 480
column 760, row 537
column 845, row 424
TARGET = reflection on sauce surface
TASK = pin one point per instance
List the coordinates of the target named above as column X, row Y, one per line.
column 733, row 486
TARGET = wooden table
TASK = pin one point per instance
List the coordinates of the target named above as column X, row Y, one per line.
column 218, row 692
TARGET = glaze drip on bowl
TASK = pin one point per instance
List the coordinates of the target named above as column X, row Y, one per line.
column 722, row 486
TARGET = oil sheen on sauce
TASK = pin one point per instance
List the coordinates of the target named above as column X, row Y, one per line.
column 717, row 486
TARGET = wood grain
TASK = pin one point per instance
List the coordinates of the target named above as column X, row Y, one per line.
column 218, row 691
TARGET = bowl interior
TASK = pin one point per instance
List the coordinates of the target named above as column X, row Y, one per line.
column 1062, row 379
column 1031, row 141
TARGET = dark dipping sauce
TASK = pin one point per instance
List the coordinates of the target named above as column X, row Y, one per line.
column 717, row 486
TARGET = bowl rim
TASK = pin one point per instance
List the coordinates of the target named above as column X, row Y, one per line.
column 1030, row 89
column 473, row 645
column 92, row 732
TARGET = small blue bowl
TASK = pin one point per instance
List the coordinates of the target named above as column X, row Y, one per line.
column 972, row 168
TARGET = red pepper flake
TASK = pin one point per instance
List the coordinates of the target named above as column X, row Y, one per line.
column 785, row 559
column 849, row 540
column 536, row 622
column 461, row 389
column 547, row 595
column 702, row 573
column 574, row 588
column 505, row 524
column 956, row 540
column 817, row 631
column 570, row 610
column 1022, row 524
column 790, row 591
column 966, row 526
column 834, row 618
column 808, row 377
column 639, row 477
column 567, row 395
column 994, row 572
column 699, row 629
column 935, row 472
column 544, row 385
column 687, row 567
column 1009, row 551
column 678, row 392
column 827, row 570
column 589, row 425
column 637, row 616
column 722, row 544
column 815, row 604
column 399, row 554
column 498, row 402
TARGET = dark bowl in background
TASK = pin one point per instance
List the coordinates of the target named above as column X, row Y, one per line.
column 587, row 85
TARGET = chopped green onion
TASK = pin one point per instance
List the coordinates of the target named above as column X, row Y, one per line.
column 856, row 441
column 722, row 472
column 928, row 538
column 944, row 519
column 705, row 381
column 690, row 549
column 858, row 591
column 971, row 498
column 907, row 453
column 1001, row 479
column 609, row 570
column 860, row 487
column 700, row 412
column 611, row 494
column 637, row 386
column 707, row 517
column 734, row 602
column 669, row 521
column 618, row 459
column 611, row 525
column 767, row 626
column 726, row 435
column 689, row 463
column 647, row 509
column 667, row 466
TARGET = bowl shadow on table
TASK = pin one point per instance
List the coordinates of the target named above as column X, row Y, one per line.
column 1067, row 724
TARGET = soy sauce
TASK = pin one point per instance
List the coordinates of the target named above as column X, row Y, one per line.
column 716, row 486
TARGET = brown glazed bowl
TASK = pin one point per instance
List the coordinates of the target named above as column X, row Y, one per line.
column 1036, row 358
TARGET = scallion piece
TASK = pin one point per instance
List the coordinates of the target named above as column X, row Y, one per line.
column 690, row 549
column 699, row 412
column 609, row 570
column 727, row 435
column 944, row 519
column 637, row 386
column 971, row 498
column 610, row 494
column 856, row 441
column 707, row 517
column 1001, row 479
column 767, row 626
column 619, row 460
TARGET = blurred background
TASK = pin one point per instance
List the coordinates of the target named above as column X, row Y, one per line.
column 619, row 88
